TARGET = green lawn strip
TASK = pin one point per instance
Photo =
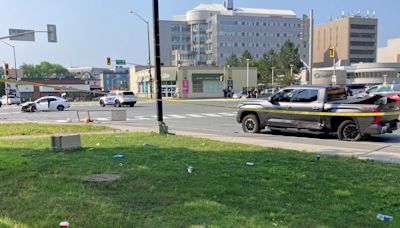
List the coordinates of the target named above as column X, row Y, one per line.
column 284, row 188
column 13, row 129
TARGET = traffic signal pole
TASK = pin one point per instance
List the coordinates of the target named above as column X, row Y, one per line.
column 163, row 129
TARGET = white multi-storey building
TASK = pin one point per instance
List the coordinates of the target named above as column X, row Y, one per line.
column 209, row 33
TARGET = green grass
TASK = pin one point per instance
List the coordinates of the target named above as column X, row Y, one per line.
column 13, row 129
column 284, row 188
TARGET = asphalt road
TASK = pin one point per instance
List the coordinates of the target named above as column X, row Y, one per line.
column 196, row 117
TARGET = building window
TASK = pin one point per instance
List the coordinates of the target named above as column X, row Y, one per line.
column 362, row 43
column 362, row 35
column 361, row 60
column 243, row 45
column 197, row 86
column 278, row 35
column 284, row 24
column 265, row 23
column 366, row 27
column 362, row 52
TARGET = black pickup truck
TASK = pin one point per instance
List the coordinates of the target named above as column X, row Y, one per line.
column 254, row 115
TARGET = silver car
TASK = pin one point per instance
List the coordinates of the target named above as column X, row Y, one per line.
column 383, row 90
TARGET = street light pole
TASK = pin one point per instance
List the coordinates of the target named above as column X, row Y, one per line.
column 15, row 70
column 148, row 47
column 272, row 84
column 247, row 81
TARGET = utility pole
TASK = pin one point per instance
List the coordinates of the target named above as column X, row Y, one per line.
column 163, row 129
column 272, row 84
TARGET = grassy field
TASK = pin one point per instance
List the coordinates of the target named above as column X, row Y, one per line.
column 12, row 129
column 283, row 188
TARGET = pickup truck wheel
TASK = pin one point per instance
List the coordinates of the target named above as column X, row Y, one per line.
column 348, row 131
column 250, row 124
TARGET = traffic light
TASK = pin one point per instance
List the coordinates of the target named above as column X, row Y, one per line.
column 108, row 61
column 6, row 69
column 332, row 52
column 221, row 78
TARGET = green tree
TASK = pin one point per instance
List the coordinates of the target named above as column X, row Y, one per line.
column 268, row 60
column 289, row 56
column 232, row 60
column 43, row 70
column 243, row 58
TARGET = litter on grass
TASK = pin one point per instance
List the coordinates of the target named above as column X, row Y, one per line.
column 118, row 156
column 249, row 163
column 189, row 169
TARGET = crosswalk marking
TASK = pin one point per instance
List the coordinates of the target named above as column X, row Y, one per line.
column 227, row 114
column 211, row 115
column 177, row 116
column 194, row 115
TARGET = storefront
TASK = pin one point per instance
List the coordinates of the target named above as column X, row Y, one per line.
column 194, row 82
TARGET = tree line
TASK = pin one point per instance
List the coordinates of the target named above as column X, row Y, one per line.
column 43, row 70
column 281, row 61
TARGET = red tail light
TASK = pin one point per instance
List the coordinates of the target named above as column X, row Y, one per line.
column 377, row 119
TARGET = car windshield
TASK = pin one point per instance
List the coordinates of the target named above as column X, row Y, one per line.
column 396, row 88
column 128, row 93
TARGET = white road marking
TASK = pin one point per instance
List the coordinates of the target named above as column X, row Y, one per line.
column 194, row 115
column 177, row 116
column 211, row 115
column 227, row 114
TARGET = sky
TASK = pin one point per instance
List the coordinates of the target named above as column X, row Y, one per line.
column 90, row 30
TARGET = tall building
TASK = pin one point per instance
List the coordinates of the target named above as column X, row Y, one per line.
column 354, row 39
column 209, row 33
column 391, row 53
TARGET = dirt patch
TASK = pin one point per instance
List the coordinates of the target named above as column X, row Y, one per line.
column 104, row 177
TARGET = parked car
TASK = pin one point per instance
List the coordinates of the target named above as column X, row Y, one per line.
column 319, row 99
column 49, row 103
column 383, row 90
column 11, row 99
column 118, row 98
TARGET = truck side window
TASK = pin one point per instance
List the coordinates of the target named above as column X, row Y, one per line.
column 305, row 95
column 283, row 96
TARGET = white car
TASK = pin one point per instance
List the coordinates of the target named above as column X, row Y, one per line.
column 118, row 98
column 50, row 103
column 11, row 99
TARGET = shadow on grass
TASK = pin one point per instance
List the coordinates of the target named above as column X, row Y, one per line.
column 287, row 188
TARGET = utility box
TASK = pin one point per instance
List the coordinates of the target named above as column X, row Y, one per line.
column 118, row 115
column 65, row 142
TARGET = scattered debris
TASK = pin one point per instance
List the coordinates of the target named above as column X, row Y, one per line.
column 146, row 145
column 236, row 132
column 318, row 157
column 87, row 120
column 118, row 156
column 189, row 169
column 249, row 163
column 64, row 224
column 386, row 218
column 104, row 177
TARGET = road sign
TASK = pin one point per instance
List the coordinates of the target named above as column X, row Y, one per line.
column 51, row 33
column 26, row 35
column 120, row 62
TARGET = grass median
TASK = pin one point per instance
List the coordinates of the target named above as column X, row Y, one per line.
column 15, row 129
column 283, row 188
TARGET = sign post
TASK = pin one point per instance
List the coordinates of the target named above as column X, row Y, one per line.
column 332, row 55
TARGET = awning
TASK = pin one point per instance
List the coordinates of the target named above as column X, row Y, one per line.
column 139, row 79
column 146, row 78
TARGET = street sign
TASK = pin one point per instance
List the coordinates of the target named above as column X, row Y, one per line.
column 51, row 33
column 120, row 62
column 26, row 35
